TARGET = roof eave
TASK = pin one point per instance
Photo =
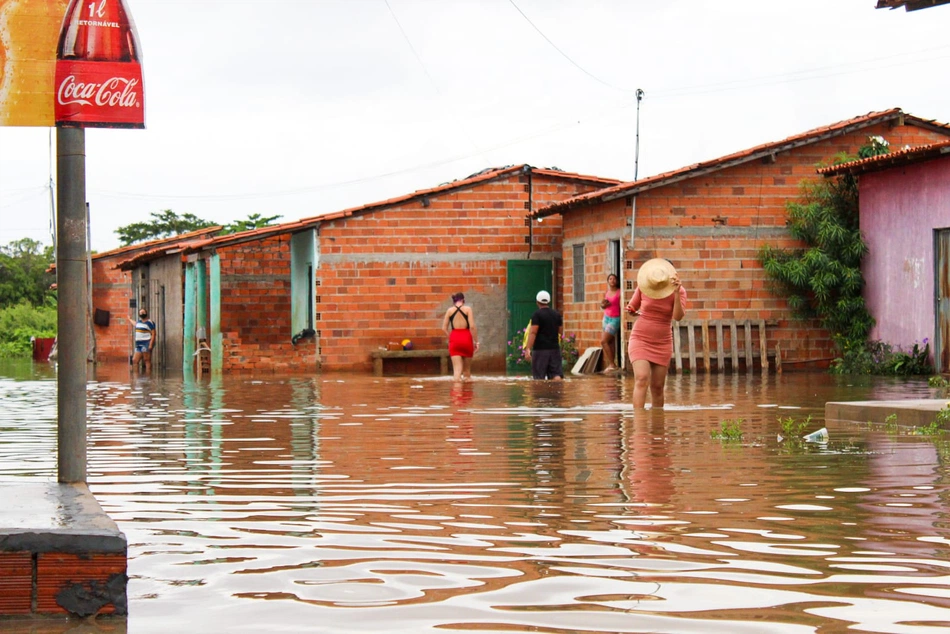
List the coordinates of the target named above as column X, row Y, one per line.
column 707, row 167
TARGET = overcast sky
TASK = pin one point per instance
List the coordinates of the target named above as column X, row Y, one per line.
column 300, row 107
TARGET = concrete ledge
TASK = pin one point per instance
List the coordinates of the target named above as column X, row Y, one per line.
column 909, row 413
column 59, row 553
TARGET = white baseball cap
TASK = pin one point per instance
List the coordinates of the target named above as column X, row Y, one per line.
column 544, row 297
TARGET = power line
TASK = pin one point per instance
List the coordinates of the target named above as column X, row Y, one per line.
column 428, row 74
column 565, row 55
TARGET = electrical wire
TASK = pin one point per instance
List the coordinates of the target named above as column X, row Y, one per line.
column 425, row 69
column 52, row 196
column 360, row 180
column 565, row 55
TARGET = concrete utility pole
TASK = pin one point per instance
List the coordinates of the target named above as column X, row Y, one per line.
column 72, row 302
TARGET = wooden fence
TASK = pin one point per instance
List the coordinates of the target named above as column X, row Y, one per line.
column 721, row 345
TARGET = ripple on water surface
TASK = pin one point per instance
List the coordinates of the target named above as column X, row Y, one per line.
column 351, row 503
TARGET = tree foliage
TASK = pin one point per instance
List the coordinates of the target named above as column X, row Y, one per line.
column 167, row 223
column 24, row 275
column 824, row 278
column 253, row 221
column 164, row 224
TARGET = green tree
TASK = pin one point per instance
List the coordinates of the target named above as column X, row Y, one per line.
column 24, row 276
column 164, row 224
column 253, row 221
column 824, row 279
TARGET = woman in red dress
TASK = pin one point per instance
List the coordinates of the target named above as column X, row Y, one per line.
column 459, row 325
column 659, row 299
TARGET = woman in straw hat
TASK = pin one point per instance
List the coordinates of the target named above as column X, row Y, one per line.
column 659, row 299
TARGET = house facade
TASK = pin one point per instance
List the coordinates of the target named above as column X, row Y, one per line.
column 325, row 292
column 711, row 220
column 117, row 295
column 904, row 199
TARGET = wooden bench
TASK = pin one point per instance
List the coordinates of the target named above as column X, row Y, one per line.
column 381, row 355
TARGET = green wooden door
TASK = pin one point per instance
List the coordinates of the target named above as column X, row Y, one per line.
column 525, row 279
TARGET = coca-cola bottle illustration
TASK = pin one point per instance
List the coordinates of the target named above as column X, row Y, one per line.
column 98, row 67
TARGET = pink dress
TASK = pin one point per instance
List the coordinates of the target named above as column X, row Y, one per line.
column 652, row 336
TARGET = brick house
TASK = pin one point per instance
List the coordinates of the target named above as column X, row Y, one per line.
column 116, row 296
column 327, row 291
column 905, row 215
column 711, row 219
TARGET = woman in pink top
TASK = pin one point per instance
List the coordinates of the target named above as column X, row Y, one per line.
column 659, row 299
column 611, row 323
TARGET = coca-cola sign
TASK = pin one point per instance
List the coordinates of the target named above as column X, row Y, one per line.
column 99, row 94
column 98, row 74
column 70, row 62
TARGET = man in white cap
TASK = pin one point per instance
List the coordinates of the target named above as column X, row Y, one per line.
column 544, row 340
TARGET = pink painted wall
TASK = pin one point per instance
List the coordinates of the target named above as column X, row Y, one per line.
column 900, row 208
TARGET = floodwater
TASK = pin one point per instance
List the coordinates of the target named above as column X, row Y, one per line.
column 349, row 503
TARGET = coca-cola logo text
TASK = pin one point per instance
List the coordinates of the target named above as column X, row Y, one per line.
column 117, row 91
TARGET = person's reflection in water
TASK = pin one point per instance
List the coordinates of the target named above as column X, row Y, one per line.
column 462, row 427
column 648, row 474
column 547, row 439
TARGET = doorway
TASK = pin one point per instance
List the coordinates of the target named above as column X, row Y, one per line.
column 525, row 279
column 613, row 267
column 942, row 300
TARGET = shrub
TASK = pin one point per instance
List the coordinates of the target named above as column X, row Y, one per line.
column 878, row 357
column 21, row 322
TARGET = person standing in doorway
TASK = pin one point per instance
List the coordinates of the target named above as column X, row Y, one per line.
column 544, row 340
column 611, row 324
column 660, row 299
column 145, row 337
column 459, row 324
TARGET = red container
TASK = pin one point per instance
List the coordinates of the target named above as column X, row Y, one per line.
column 42, row 347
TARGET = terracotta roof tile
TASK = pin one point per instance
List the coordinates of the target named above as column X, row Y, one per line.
column 909, row 5
column 168, row 242
column 806, row 138
column 905, row 156
column 306, row 223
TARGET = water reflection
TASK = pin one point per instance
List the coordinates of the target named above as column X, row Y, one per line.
column 342, row 503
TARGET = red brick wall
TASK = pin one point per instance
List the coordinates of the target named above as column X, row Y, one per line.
column 712, row 228
column 255, row 309
column 111, row 291
column 388, row 275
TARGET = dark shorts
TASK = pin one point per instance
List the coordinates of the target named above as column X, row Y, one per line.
column 546, row 364
column 142, row 346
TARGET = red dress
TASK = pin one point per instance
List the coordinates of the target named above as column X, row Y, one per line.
column 461, row 343
column 652, row 336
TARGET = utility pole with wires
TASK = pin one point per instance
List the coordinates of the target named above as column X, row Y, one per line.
column 636, row 155
column 636, row 172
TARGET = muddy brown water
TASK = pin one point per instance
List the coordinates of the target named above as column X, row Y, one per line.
column 348, row 503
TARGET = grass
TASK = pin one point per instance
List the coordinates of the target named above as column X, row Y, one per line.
column 792, row 428
column 728, row 430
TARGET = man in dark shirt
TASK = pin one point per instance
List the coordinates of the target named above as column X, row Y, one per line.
column 544, row 340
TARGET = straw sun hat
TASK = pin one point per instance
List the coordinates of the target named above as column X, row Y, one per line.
column 653, row 278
